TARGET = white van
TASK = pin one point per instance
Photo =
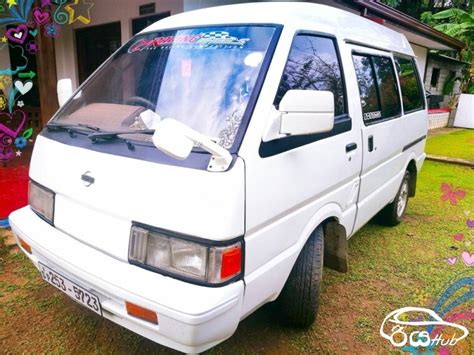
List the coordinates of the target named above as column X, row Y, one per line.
column 216, row 159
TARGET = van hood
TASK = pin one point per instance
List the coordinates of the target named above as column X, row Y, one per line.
column 124, row 190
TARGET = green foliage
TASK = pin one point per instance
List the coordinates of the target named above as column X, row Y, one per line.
column 448, row 86
column 415, row 8
column 459, row 24
column 392, row 3
column 427, row 17
column 456, row 23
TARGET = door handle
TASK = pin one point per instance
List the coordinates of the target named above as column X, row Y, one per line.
column 350, row 147
column 371, row 143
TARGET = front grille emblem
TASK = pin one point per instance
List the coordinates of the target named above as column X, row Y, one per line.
column 87, row 178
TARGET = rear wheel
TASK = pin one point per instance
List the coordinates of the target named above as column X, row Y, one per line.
column 393, row 213
column 299, row 299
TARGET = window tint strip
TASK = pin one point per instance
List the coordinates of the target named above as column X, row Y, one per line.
column 378, row 88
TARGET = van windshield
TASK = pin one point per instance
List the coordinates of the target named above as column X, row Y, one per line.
column 203, row 77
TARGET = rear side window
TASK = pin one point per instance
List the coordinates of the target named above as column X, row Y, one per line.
column 313, row 64
column 409, row 84
column 378, row 88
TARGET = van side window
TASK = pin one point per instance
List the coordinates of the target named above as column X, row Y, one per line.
column 388, row 88
column 313, row 64
column 378, row 88
column 410, row 84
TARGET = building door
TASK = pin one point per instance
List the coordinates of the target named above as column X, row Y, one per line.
column 94, row 45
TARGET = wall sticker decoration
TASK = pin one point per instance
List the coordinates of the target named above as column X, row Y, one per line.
column 21, row 22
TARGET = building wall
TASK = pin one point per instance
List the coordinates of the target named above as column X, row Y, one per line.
column 4, row 54
column 445, row 68
column 189, row 5
column 421, row 58
column 104, row 11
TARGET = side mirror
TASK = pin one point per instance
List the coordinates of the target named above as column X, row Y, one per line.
column 171, row 137
column 177, row 140
column 65, row 91
column 306, row 112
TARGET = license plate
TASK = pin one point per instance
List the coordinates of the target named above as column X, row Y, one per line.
column 73, row 290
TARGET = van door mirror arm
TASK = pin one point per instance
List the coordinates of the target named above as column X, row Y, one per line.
column 272, row 130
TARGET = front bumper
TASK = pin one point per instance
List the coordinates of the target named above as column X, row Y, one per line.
column 191, row 318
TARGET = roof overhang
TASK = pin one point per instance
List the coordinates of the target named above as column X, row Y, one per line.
column 447, row 58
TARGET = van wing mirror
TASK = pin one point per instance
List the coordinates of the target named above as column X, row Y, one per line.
column 306, row 112
column 177, row 140
column 170, row 138
column 65, row 91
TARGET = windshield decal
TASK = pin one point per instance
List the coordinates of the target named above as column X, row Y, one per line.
column 227, row 135
column 213, row 39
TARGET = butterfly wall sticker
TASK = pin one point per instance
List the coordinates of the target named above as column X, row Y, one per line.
column 450, row 194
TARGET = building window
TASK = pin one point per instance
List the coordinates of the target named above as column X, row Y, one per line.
column 435, row 77
column 377, row 88
column 412, row 92
column 313, row 64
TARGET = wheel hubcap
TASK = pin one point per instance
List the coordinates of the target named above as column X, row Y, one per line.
column 402, row 199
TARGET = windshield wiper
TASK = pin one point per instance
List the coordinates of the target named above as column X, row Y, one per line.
column 96, row 137
column 72, row 127
column 114, row 134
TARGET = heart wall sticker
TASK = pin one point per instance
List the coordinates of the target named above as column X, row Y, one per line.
column 12, row 123
column 17, row 34
column 23, row 88
column 41, row 17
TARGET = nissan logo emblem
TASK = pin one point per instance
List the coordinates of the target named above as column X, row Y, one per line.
column 87, row 178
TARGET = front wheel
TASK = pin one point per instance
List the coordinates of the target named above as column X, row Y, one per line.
column 393, row 213
column 299, row 299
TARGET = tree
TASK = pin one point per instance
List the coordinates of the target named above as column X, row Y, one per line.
column 459, row 24
column 455, row 23
column 415, row 8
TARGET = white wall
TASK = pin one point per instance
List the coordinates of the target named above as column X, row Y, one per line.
column 421, row 57
column 104, row 11
column 189, row 5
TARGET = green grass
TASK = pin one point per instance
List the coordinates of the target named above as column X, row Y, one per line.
column 457, row 144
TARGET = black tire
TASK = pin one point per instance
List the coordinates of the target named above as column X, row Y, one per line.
column 299, row 299
column 392, row 215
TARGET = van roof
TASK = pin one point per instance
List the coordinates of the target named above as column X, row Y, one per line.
column 297, row 15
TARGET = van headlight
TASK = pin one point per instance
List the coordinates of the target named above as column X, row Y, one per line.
column 41, row 200
column 180, row 257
